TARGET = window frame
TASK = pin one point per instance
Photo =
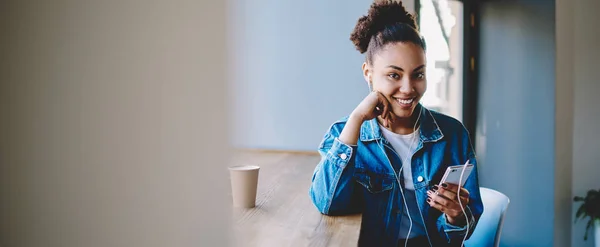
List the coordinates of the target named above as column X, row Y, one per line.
column 470, row 53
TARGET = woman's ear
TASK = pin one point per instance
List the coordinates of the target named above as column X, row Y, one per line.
column 367, row 72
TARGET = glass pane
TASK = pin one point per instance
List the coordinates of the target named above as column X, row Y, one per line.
column 441, row 23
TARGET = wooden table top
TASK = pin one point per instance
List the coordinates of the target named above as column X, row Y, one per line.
column 284, row 214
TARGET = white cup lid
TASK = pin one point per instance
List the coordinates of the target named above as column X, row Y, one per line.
column 243, row 168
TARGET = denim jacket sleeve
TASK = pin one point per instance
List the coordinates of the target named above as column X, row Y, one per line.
column 455, row 234
column 332, row 188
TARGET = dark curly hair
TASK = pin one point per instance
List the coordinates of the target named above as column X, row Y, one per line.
column 386, row 22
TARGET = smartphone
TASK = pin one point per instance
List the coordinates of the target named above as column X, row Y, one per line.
column 453, row 173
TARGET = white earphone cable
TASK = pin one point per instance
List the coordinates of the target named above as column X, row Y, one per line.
column 398, row 178
column 462, row 207
column 460, row 202
column 400, row 171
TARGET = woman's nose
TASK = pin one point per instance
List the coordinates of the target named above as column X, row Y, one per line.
column 406, row 86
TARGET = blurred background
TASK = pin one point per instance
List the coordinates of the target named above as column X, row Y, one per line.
column 112, row 113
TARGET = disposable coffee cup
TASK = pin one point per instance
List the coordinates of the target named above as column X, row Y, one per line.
column 244, row 182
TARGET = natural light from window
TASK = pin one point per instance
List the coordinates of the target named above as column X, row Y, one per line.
column 441, row 23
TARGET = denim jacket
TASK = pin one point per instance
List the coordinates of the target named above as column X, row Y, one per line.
column 353, row 179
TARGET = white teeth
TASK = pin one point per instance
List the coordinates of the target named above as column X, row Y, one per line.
column 405, row 101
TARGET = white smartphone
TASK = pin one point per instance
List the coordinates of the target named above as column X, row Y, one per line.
column 453, row 173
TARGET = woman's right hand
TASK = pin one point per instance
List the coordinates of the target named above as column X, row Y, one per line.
column 372, row 106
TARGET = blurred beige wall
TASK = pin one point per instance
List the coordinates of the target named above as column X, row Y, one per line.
column 111, row 123
column 579, row 36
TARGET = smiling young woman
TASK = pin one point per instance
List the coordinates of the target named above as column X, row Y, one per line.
column 386, row 158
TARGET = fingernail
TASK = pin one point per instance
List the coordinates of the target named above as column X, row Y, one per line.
column 429, row 192
column 444, row 185
column 435, row 187
column 428, row 200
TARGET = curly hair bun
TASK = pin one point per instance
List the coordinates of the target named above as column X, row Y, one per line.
column 381, row 14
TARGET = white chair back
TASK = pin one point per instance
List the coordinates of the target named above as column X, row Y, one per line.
column 489, row 228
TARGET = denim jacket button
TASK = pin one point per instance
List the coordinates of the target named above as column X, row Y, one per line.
column 420, row 179
column 343, row 156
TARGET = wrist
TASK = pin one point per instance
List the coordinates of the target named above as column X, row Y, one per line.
column 456, row 221
column 351, row 131
column 354, row 117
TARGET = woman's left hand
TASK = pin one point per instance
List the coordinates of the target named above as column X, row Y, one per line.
column 445, row 199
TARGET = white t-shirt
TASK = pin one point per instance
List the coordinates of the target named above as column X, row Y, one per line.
column 404, row 145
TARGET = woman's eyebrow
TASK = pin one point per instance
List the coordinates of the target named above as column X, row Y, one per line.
column 396, row 67
column 401, row 69
column 419, row 68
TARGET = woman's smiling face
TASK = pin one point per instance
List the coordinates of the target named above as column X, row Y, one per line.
column 398, row 72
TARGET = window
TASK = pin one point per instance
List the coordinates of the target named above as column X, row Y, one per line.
column 441, row 24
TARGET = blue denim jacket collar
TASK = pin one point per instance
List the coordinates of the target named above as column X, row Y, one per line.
column 429, row 129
